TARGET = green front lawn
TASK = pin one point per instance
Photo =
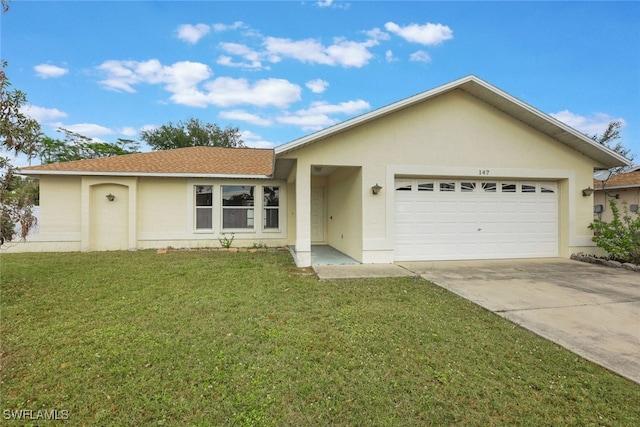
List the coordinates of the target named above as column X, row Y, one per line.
column 218, row 338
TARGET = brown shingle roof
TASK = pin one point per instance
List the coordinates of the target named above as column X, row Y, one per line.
column 629, row 179
column 187, row 161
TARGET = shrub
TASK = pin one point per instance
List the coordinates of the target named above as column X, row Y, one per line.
column 621, row 236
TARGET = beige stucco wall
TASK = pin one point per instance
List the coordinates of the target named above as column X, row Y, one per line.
column 630, row 196
column 344, row 211
column 60, row 206
column 453, row 135
column 59, row 220
column 147, row 212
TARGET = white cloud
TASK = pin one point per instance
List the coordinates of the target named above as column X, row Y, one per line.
column 47, row 71
column 377, row 34
column 428, row 34
column 252, row 58
column 590, row 125
column 316, row 117
column 183, row 80
column 90, row 130
column 325, row 3
column 389, row 56
column 192, row 33
column 228, row 61
column 317, row 85
column 333, row 4
column 342, row 52
column 42, row 114
column 351, row 54
column 149, row 127
column 128, row 131
column 307, row 122
column 253, row 140
column 224, row 27
column 420, row 56
column 348, row 107
column 226, row 91
column 245, row 116
column 303, row 50
column 240, row 50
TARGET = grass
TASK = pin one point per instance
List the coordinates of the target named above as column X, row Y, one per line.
column 218, row 338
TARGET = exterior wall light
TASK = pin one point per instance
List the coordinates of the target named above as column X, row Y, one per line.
column 587, row 192
column 376, row 189
column 110, row 197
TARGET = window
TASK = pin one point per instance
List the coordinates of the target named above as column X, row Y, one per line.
column 237, row 206
column 489, row 187
column 204, row 207
column 509, row 188
column 403, row 186
column 528, row 188
column 547, row 189
column 425, row 186
column 447, row 186
column 271, row 206
column 468, row 187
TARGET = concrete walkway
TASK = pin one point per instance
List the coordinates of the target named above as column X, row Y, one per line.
column 360, row 271
column 591, row 310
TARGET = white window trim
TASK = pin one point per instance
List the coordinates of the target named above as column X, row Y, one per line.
column 196, row 208
column 265, row 208
column 251, row 229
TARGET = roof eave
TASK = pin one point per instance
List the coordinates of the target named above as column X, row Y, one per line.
column 617, row 187
column 140, row 174
column 537, row 120
column 487, row 93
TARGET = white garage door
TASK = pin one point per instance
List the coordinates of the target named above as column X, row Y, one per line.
column 446, row 219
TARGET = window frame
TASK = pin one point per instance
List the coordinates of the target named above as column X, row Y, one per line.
column 198, row 208
column 249, row 208
column 267, row 208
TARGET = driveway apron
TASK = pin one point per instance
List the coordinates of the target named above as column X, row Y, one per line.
column 591, row 310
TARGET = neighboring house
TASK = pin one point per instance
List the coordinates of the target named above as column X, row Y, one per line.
column 463, row 171
column 623, row 188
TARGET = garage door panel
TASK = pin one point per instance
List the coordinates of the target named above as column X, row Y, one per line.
column 476, row 224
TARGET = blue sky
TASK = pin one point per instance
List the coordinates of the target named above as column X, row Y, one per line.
column 281, row 70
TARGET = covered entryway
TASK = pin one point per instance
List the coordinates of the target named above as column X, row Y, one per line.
column 458, row 219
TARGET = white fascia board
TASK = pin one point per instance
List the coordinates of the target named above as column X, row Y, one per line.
column 437, row 91
column 617, row 187
column 145, row 174
column 558, row 123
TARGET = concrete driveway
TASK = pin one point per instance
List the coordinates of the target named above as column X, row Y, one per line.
column 592, row 310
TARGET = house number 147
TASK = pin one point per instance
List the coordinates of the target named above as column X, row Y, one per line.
column 483, row 172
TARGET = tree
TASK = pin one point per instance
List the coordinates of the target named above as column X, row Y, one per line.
column 79, row 147
column 18, row 134
column 191, row 133
column 17, row 196
column 611, row 139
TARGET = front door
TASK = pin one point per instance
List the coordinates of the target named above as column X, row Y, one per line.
column 317, row 215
